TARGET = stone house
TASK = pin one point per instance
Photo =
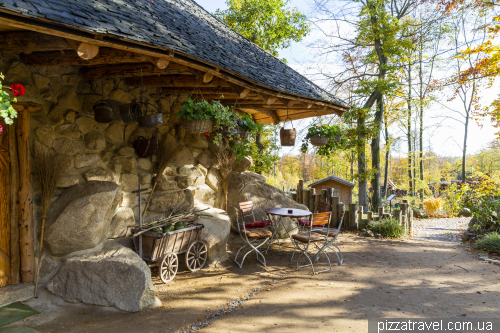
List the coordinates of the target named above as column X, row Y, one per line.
column 341, row 188
column 70, row 54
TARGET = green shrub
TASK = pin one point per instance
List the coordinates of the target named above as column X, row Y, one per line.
column 390, row 228
column 489, row 242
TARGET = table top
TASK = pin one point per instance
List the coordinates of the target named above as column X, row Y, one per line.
column 284, row 212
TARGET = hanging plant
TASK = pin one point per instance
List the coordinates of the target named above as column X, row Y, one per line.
column 328, row 137
column 240, row 127
column 7, row 112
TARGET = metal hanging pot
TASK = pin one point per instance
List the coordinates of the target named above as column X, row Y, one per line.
column 130, row 113
column 151, row 120
column 103, row 112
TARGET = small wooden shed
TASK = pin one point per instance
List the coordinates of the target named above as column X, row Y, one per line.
column 342, row 187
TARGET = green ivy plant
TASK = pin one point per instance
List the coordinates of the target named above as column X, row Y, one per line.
column 336, row 135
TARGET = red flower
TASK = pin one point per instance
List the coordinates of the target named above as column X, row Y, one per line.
column 207, row 133
column 1, row 129
column 18, row 89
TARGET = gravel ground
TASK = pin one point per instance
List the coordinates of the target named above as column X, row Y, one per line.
column 443, row 230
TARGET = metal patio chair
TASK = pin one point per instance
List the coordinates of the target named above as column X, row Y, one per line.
column 253, row 234
column 330, row 243
column 310, row 241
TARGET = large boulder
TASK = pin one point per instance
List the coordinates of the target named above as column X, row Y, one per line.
column 113, row 276
column 249, row 186
column 168, row 201
column 243, row 165
column 121, row 223
column 81, row 218
column 216, row 232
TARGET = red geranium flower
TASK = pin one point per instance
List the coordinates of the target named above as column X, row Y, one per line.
column 1, row 129
column 207, row 133
column 18, row 89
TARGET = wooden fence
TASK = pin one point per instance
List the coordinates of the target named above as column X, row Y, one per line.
column 354, row 218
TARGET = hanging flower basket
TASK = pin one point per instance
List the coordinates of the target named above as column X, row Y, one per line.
column 103, row 112
column 319, row 141
column 197, row 125
column 237, row 133
column 287, row 137
column 145, row 147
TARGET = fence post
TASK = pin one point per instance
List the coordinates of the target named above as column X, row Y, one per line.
column 317, row 199
column 294, row 197
column 329, row 196
column 404, row 215
column 340, row 208
column 396, row 213
column 305, row 198
column 369, row 215
column 335, row 211
column 312, row 194
column 360, row 214
column 299, row 191
column 380, row 213
column 353, row 224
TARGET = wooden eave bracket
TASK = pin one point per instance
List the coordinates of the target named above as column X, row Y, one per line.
column 240, row 91
column 158, row 62
column 268, row 99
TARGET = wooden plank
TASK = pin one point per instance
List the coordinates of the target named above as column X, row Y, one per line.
column 5, row 269
column 26, row 231
column 15, row 260
column 131, row 70
column 106, row 56
column 29, row 41
column 174, row 81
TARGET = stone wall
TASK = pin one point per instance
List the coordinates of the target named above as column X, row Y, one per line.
column 103, row 152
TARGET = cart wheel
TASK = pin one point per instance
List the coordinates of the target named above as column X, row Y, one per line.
column 196, row 255
column 168, row 267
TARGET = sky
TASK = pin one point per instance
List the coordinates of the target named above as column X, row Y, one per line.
column 445, row 140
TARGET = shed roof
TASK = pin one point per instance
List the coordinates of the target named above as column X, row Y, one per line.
column 179, row 25
column 334, row 178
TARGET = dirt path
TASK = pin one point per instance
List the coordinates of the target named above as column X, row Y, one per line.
column 380, row 278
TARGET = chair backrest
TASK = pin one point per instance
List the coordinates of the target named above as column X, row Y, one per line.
column 321, row 219
column 246, row 210
column 324, row 207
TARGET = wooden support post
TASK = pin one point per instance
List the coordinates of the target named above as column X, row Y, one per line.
column 404, row 214
column 360, row 214
column 317, row 200
column 396, row 213
column 305, row 197
column 386, row 216
column 369, row 215
column 353, row 224
column 294, row 197
column 26, row 232
column 15, row 260
column 380, row 213
column 312, row 194
column 299, row 191
column 409, row 227
column 329, row 196
column 335, row 211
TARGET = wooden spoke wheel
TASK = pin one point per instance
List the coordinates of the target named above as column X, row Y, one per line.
column 196, row 255
column 168, row 267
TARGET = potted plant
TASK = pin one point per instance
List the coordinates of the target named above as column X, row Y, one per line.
column 329, row 136
column 199, row 116
column 240, row 127
column 7, row 112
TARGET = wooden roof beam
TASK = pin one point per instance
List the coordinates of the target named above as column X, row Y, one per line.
column 158, row 62
column 206, row 77
column 272, row 114
column 131, row 70
column 29, row 41
column 106, row 56
column 268, row 99
column 288, row 102
column 86, row 51
column 174, row 81
column 240, row 91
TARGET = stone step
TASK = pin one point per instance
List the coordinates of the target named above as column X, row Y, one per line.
column 16, row 292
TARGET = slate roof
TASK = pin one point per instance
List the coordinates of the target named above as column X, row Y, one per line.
column 334, row 178
column 180, row 25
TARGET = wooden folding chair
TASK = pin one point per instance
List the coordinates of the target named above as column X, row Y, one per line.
column 309, row 241
column 323, row 207
column 253, row 234
column 330, row 243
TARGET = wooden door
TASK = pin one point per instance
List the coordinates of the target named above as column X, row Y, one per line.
column 4, row 206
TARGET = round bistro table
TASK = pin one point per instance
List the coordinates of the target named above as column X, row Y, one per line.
column 281, row 213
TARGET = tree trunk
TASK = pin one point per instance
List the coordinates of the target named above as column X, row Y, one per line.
column 421, row 127
column 362, row 182
column 375, row 145
column 387, row 155
column 258, row 142
column 410, row 160
column 464, row 152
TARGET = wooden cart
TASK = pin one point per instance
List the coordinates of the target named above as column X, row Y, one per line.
column 162, row 250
